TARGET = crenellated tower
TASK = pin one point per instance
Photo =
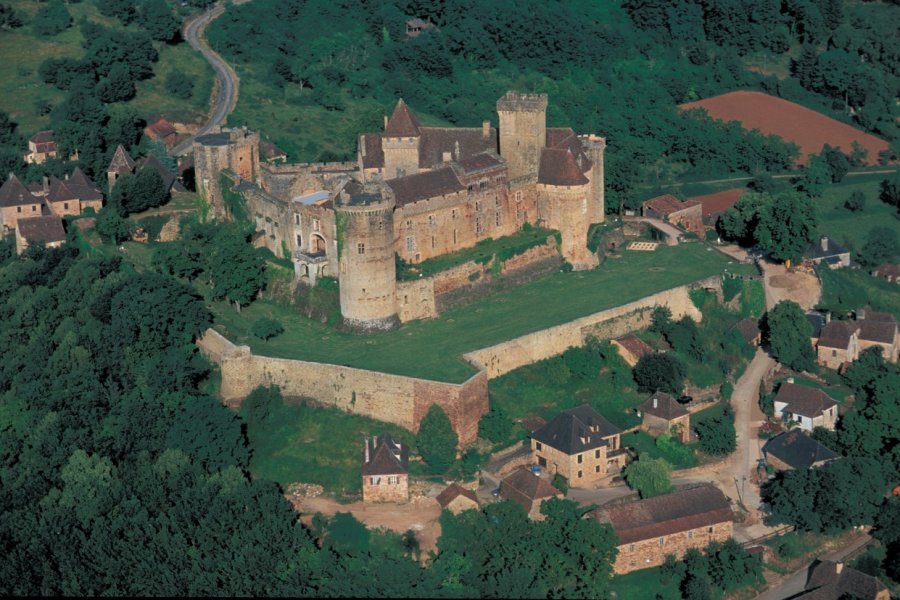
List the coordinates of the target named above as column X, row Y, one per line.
column 365, row 230
column 236, row 150
column 523, row 131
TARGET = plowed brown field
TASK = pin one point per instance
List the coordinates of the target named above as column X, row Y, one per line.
column 807, row 128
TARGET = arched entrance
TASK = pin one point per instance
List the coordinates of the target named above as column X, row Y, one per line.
column 317, row 244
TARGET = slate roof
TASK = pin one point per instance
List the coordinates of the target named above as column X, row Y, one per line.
column 837, row 334
column 270, row 151
column 748, row 328
column 435, row 141
column 121, row 162
column 386, row 457
column 524, row 488
column 576, row 430
column 83, row 187
column 638, row 347
column 59, row 191
column 668, row 204
column 825, row 583
column 372, row 153
column 214, row 139
column 483, row 161
column 716, row 204
column 832, row 248
column 560, row 167
column 402, row 123
column 429, row 184
column 877, row 331
column 454, row 491
column 666, row 407
column 804, row 400
column 43, row 141
column 45, row 229
column 13, row 193
column 651, row 518
column 817, row 321
column 797, row 449
column 169, row 179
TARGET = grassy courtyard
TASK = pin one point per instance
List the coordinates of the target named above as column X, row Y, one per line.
column 433, row 348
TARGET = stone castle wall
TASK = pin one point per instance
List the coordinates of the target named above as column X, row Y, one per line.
column 504, row 357
column 392, row 398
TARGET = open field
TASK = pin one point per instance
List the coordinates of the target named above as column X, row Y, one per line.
column 848, row 228
column 848, row 289
column 412, row 349
column 794, row 123
column 21, row 88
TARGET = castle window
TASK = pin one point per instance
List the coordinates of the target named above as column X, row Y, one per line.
column 471, row 187
column 479, row 226
column 662, row 541
column 65, row 206
column 431, row 220
column 361, row 248
column 33, row 207
column 410, row 244
column 497, row 202
column 454, row 214
column 409, row 224
column 478, row 205
column 597, row 469
column 596, row 454
column 498, row 218
column 454, row 236
column 518, row 196
column 709, row 530
column 18, row 209
column 315, row 225
column 539, row 446
column 579, row 474
column 580, row 458
column 631, row 547
column 584, row 206
column 297, row 219
column 299, row 241
column 691, row 534
column 433, row 244
column 276, row 224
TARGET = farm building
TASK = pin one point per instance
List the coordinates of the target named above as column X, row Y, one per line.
column 806, row 406
column 796, row 450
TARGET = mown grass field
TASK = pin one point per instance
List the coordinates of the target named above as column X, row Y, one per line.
column 848, row 289
column 433, row 348
column 851, row 228
column 646, row 583
column 22, row 52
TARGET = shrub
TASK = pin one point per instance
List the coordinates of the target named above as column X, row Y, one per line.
column 436, row 440
column 266, row 328
column 495, row 426
column 561, row 483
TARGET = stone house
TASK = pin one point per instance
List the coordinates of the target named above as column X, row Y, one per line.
column 47, row 230
column 528, row 491
column 17, row 202
column 415, row 27
column 73, row 195
column 749, row 330
column 890, row 272
column 841, row 342
column 580, row 445
column 456, row 499
column 661, row 413
column 687, row 215
column 631, row 348
column 41, row 146
column 829, row 580
column 650, row 529
column 796, row 450
column 828, row 251
column 385, row 470
column 807, row 407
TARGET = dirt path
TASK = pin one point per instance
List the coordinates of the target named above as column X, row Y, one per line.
column 802, row 288
column 420, row 514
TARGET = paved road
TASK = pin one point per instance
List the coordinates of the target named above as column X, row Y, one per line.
column 789, row 175
column 226, row 93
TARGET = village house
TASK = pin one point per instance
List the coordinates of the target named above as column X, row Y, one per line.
column 714, row 205
column 661, row 413
column 122, row 163
column 73, row 195
column 828, row 251
column 829, row 580
column 17, row 202
column 796, row 450
column 385, row 470
column 580, row 445
column 47, row 230
column 817, row 320
column 632, row 348
column 41, row 146
column 456, row 499
column 841, row 342
column 528, row 491
column 687, row 215
column 806, row 406
column 749, row 330
column 415, row 27
column 162, row 131
column 650, row 529
column 890, row 272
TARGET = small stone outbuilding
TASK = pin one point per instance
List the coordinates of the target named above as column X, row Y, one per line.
column 661, row 413
column 528, row 491
column 796, row 450
column 456, row 499
column 385, row 470
column 632, row 348
column 829, row 580
column 688, row 214
column 47, row 230
column 749, row 330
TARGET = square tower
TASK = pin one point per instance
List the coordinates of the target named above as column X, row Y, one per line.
column 523, row 131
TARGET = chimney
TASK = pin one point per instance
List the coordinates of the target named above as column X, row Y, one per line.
column 790, row 380
column 827, row 316
column 445, row 157
column 655, row 402
column 385, row 121
column 456, row 150
column 485, row 129
column 66, row 177
column 838, row 567
column 578, row 160
column 45, row 184
column 367, row 450
column 824, row 243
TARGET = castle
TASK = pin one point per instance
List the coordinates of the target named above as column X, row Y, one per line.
column 415, row 192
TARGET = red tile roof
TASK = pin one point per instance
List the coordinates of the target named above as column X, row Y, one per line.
column 525, row 488
column 454, row 491
column 13, row 193
column 421, row 186
column 638, row 347
column 716, row 204
column 402, row 123
column 42, row 137
column 668, row 204
column 47, row 229
column 560, row 167
column 159, row 130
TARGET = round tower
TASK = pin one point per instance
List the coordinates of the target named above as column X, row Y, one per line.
column 368, row 281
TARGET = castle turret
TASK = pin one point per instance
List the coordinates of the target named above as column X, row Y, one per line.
column 236, row 150
column 523, row 131
column 365, row 229
column 400, row 143
column 595, row 148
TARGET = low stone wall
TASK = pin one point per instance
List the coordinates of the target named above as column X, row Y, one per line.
column 392, row 398
column 504, row 357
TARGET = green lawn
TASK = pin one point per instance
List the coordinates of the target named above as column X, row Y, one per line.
column 23, row 52
column 433, row 348
column 848, row 289
column 312, row 444
column 646, row 583
column 848, row 228
column 645, row 445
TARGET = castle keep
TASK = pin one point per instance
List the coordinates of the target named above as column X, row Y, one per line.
column 415, row 192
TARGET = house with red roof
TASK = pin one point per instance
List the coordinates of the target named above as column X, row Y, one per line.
column 686, row 214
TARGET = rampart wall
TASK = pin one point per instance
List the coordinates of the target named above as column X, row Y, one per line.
column 392, row 398
column 502, row 358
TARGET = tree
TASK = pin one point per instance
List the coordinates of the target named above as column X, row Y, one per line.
column 815, row 176
column 266, row 328
column 112, row 227
column 717, row 435
column 856, row 202
column 649, row 476
column 53, row 18
column 179, row 84
column 889, row 191
column 684, row 336
column 157, row 18
column 881, row 246
column 436, row 440
column 788, row 334
column 117, row 86
column 837, row 161
column 786, row 226
column 237, row 271
column 8, row 17
column 660, row 372
column 660, row 319
column 138, row 192
column 495, row 426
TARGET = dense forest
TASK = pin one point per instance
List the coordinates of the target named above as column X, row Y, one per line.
column 617, row 70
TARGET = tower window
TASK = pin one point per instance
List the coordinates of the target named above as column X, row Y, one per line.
column 315, row 224
column 65, row 206
column 433, row 244
column 479, row 226
column 431, row 220
column 454, row 214
column 454, row 236
column 498, row 218
column 361, row 248
column 297, row 219
column 518, row 196
column 410, row 244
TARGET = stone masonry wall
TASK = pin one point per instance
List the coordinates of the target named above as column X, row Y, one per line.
column 504, row 357
column 392, row 398
column 652, row 552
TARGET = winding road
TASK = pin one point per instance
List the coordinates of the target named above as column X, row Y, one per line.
column 225, row 94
